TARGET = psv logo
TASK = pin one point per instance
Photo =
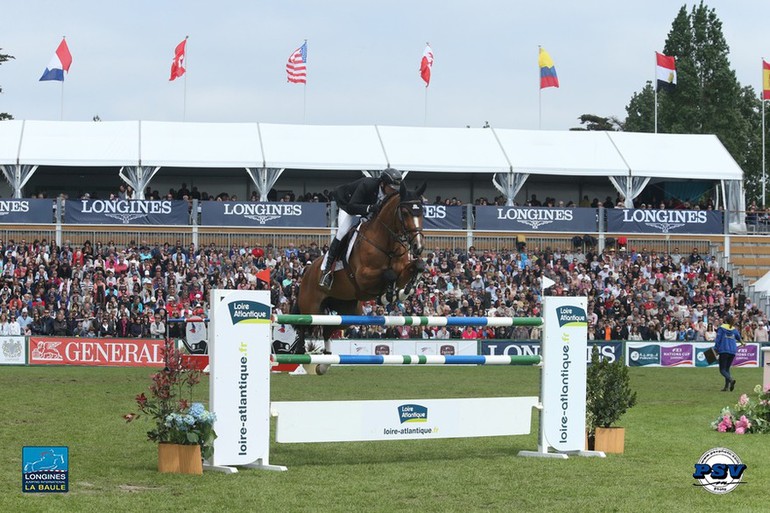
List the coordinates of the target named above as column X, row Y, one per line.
column 719, row 470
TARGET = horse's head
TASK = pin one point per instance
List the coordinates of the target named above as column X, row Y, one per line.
column 410, row 217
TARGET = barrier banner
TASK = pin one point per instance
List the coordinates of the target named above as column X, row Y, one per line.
column 239, row 384
column 12, row 351
column 610, row 351
column 26, row 211
column 684, row 354
column 454, row 346
column 291, row 215
column 533, row 219
column 115, row 352
column 156, row 212
column 626, row 220
column 563, row 386
column 443, row 217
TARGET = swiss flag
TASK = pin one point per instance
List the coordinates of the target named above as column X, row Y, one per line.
column 426, row 64
column 177, row 65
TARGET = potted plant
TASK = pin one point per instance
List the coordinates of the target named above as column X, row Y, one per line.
column 183, row 430
column 608, row 397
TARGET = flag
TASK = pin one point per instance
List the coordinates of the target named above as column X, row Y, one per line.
column 765, row 80
column 264, row 275
column 296, row 68
column 548, row 76
column 426, row 64
column 665, row 71
column 177, row 65
column 548, row 282
column 60, row 62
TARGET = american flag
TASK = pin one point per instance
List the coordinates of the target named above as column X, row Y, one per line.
column 296, row 68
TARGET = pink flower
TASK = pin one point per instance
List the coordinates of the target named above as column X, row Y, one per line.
column 743, row 425
column 744, row 400
column 722, row 428
column 767, row 388
column 728, row 421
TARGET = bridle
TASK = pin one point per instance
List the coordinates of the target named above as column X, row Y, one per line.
column 403, row 236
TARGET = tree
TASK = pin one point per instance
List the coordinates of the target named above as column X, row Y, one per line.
column 592, row 122
column 708, row 99
column 4, row 58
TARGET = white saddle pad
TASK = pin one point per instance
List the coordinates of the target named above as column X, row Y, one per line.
column 338, row 265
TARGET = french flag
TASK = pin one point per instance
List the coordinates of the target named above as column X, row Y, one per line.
column 60, row 62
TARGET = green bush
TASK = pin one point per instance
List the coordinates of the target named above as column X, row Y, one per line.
column 608, row 392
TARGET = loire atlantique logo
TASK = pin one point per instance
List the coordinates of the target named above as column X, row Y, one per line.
column 45, row 469
column 249, row 312
column 571, row 316
column 412, row 413
column 719, row 471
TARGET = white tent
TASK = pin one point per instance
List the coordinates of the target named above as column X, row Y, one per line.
column 141, row 148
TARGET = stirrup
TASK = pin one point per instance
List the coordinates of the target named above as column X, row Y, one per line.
column 327, row 279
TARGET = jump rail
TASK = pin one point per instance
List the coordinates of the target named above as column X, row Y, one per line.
column 394, row 320
column 405, row 359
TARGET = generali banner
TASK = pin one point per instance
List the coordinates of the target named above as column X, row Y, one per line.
column 626, row 220
column 116, row 352
column 26, row 211
column 292, row 215
column 158, row 212
column 534, row 219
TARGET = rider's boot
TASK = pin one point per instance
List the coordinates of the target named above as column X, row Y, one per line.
column 327, row 271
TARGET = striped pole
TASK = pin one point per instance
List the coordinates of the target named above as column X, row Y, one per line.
column 405, row 359
column 394, row 320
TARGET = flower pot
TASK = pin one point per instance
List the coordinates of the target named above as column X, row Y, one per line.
column 180, row 459
column 610, row 440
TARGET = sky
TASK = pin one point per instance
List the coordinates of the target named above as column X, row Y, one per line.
column 363, row 59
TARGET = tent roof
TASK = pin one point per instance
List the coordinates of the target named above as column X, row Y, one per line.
column 369, row 147
column 80, row 143
column 322, row 147
column 10, row 137
column 200, row 144
column 545, row 152
column 441, row 150
column 701, row 157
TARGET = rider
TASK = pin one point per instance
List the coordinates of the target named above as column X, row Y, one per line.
column 354, row 200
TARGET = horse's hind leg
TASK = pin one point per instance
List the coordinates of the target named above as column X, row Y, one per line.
column 344, row 308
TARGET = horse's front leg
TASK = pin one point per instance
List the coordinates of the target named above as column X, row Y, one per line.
column 408, row 278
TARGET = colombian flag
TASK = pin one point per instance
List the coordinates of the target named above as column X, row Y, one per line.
column 548, row 76
column 765, row 80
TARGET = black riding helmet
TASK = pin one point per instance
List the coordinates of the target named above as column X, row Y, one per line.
column 391, row 177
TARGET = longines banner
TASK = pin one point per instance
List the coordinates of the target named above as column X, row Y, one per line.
column 158, row 212
column 26, row 211
column 529, row 219
column 294, row 215
column 443, row 217
column 625, row 220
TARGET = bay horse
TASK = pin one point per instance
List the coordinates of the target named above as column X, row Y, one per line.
column 384, row 264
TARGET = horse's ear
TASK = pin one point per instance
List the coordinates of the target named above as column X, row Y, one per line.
column 402, row 190
column 421, row 189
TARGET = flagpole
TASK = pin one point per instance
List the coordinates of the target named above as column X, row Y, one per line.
column 184, row 96
column 762, row 97
column 304, row 93
column 61, row 101
column 539, row 93
column 655, row 88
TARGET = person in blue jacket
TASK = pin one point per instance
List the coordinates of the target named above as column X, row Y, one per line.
column 726, row 344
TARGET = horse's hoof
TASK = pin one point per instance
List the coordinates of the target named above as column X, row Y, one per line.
column 322, row 369
column 402, row 295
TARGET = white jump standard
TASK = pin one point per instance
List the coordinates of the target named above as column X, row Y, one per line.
column 240, row 363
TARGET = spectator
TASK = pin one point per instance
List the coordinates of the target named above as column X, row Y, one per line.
column 59, row 325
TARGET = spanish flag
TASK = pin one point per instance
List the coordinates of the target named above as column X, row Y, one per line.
column 765, row 80
column 548, row 76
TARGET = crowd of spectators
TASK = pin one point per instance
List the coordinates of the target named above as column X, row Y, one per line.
column 104, row 290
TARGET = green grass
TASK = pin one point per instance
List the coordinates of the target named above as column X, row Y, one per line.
column 112, row 466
